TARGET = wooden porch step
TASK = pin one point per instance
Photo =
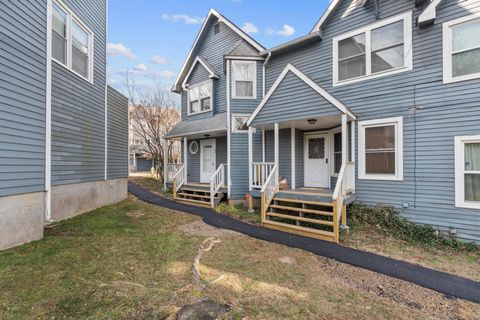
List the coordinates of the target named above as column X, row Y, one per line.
column 295, row 218
column 307, row 232
column 195, row 190
column 303, row 210
column 193, row 195
column 194, row 202
column 324, row 204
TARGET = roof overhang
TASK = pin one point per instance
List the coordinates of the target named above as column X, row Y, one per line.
column 198, row 59
column 290, row 68
column 299, row 42
column 429, row 14
column 213, row 14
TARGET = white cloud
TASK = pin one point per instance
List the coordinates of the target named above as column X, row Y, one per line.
column 249, row 28
column 158, row 59
column 164, row 74
column 140, row 67
column 182, row 17
column 119, row 49
column 285, row 32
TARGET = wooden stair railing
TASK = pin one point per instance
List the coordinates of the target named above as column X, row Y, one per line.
column 217, row 181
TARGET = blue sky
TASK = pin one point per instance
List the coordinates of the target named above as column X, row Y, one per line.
column 151, row 38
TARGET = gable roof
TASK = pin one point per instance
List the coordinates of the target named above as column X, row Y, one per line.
column 429, row 14
column 309, row 82
column 213, row 14
column 241, row 48
column 198, row 59
column 331, row 8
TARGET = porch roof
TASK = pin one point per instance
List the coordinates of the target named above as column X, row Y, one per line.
column 294, row 96
column 211, row 125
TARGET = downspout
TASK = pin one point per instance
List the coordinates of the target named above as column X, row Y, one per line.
column 48, row 118
column 228, row 132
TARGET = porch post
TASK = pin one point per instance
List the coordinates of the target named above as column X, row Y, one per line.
column 263, row 145
column 352, row 139
column 250, row 156
column 185, row 148
column 276, row 135
column 165, row 164
column 344, row 139
column 292, row 149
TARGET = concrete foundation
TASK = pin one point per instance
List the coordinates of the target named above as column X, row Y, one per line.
column 73, row 199
column 21, row 219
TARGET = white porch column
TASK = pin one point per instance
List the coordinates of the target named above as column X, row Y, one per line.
column 292, row 149
column 165, row 164
column 250, row 157
column 276, row 138
column 344, row 139
column 263, row 145
column 185, row 154
column 352, row 139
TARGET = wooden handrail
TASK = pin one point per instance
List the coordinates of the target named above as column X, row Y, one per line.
column 269, row 188
column 217, row 181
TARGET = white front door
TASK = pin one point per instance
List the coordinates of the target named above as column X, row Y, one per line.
column 316, row 150
column 207, row 160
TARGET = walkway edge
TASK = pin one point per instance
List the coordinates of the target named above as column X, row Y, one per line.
column 441, row 282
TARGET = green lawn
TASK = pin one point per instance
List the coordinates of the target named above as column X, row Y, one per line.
column 134, row 261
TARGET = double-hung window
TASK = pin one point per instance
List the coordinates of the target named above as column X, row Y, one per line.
column 461, row 49
column 244, row 80
column 378, row 49
column 380, row 154
column 72, row 42
column 467, row 172
column 199, row 97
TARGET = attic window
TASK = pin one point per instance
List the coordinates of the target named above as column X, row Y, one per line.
column 216, row 28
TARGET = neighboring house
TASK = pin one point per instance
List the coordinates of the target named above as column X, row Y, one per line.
column 379, row 103
column 63, row 132
column 140, row 156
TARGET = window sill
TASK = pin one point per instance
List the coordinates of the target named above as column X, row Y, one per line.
column 468, row 205
column 72, row 71
column 449, row 79
column 244, row 98
column 372, row 76
column 200, row 112
column 380, row 177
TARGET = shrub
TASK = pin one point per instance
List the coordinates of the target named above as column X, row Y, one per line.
column 239, row 212
column 387, row 220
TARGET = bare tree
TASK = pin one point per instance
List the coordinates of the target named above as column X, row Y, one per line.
column 153, row 113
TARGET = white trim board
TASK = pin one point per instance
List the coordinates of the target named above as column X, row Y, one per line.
column 331, row 8
column 234, row 79
column 48, row 116
column 308, row 81
column 214, row 13
column 198, row 59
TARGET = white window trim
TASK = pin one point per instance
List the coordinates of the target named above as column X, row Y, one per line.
column 407, row 44
column 234, row 89
column 398, row 123
column 189, row 113
column 448, row 49
column 460, row 172
column 332, row 150
column 235, row 115
column 71, row 16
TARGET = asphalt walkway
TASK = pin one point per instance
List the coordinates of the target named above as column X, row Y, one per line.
column 442, row 282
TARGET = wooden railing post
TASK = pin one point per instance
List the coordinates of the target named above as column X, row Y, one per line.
column 336, row 232
column 344, row 215
column 175, row 188
column 263, row 209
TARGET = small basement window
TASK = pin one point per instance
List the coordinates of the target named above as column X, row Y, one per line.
column 199, row 98
column 467, row 172
column 381, row 149
column 461, row 49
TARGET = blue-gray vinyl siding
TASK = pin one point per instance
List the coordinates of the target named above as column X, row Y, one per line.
column 199, row 74
column 117, row 135
column 22, row 96
column 212, row 48
column 193, row 160
column 78, row 107
column 144, row 165
column 444, row 111
column 293, row 94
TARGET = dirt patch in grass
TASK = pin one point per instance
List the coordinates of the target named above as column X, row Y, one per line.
column 113, row 263
column 200, row 228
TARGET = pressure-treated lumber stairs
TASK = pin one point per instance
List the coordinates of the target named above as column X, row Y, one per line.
column 307, row 214
column 197, row 195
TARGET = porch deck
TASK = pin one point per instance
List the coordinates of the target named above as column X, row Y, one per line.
column 305, row 194
column 198, row 186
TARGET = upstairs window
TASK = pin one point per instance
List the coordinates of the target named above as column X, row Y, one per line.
column 199, row 98
column 72, row 42
column 379, row 49
column 381, row 149
column 467, row 172
column 461, row 49
column 244, row 80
